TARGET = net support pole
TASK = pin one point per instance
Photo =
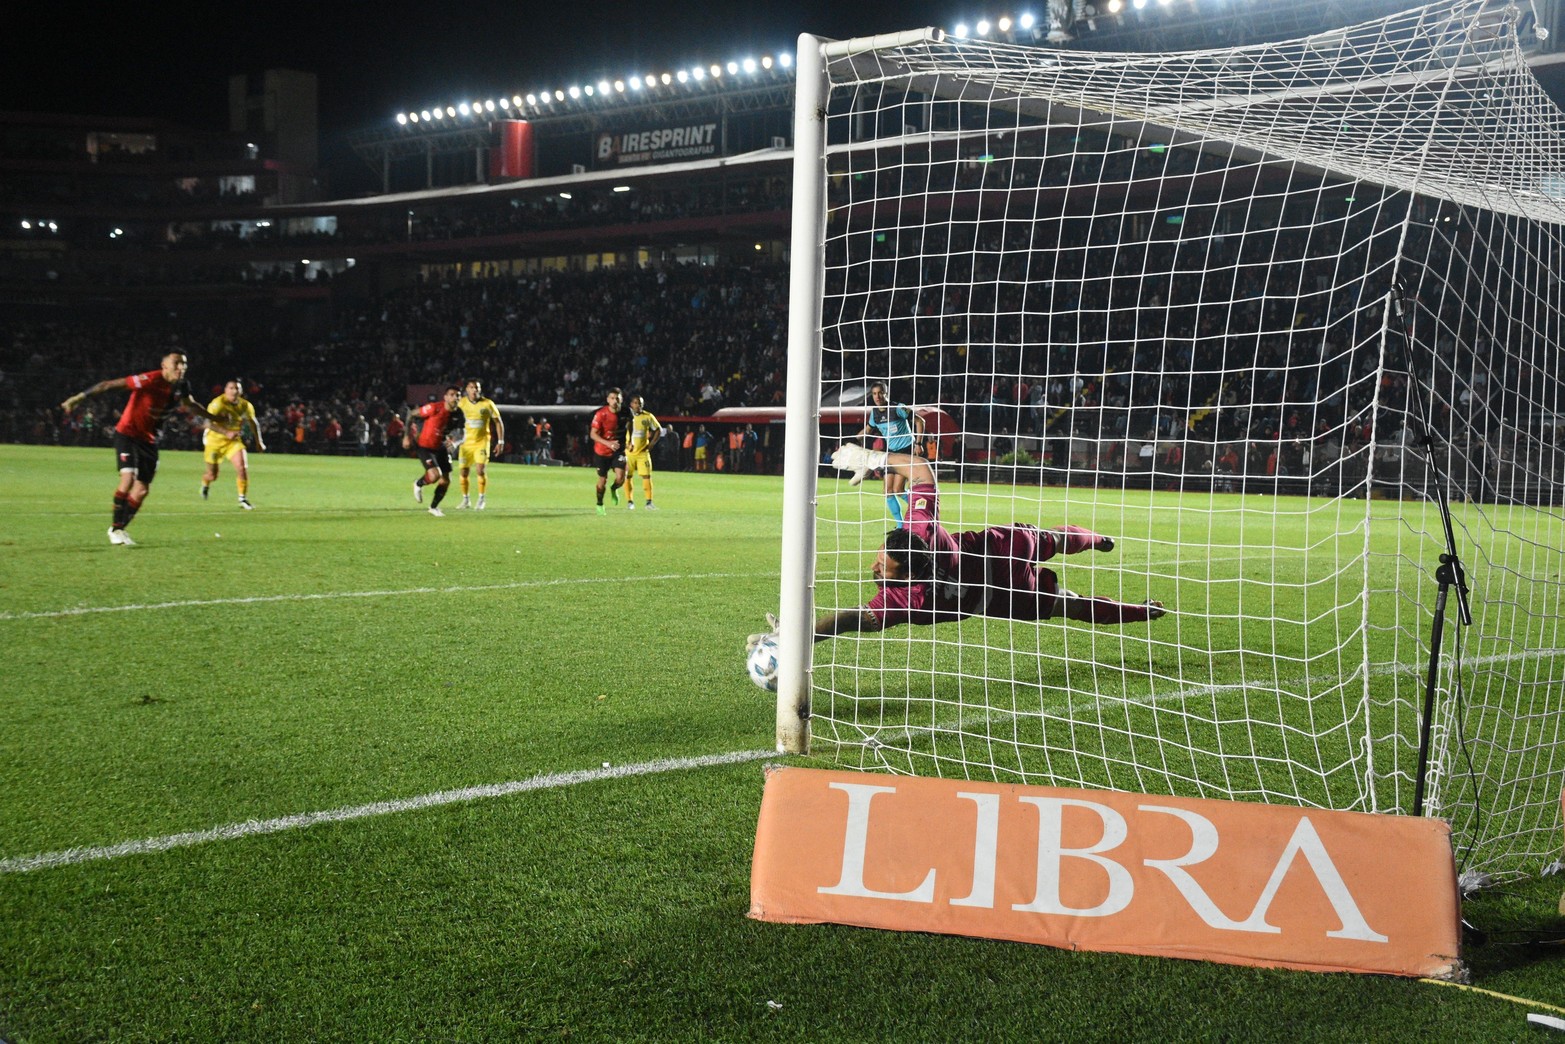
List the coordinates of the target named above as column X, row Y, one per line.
column 796, row 608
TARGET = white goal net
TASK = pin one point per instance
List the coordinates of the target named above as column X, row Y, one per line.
column 1154, row 296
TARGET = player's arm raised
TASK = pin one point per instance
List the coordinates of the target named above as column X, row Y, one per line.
column 97, row 389
column 192, row 406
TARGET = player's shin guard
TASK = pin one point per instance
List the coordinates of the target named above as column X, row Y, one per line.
column 440, row 494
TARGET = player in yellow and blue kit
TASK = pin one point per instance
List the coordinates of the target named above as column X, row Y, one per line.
column 483, row 432
column 644, row 432
column 233, row 412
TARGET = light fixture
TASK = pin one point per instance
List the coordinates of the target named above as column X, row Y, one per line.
column 532, row 99
column 982, row 28
column 749, row 65
column 698, row 74
column 717, row 71
column 603, row 87
column 1004, row 25
column 565, row 195
column 766, row 62
column 574, row 92
column 1026, row 21
column 463, row 109
column 785, row 60
column 626, row 188
column 733, row 68
column 425, row 114
column 559, row 95
column 682, row 76
column 619, row 85
column 960, row 32
column 402, row 118
column 489, row 105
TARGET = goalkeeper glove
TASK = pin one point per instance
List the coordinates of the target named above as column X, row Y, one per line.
column 755, row 639
column 850, row 456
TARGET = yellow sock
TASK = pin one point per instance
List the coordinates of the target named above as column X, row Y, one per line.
column 646, row 487
column 464, row 485
column 483, row 484
column 244, row 485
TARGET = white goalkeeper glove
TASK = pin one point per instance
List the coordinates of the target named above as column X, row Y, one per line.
column 850, row 456
column 755, row 639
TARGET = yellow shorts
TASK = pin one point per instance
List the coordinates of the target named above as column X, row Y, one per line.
column 470, row 456
column 638, row 463
column 215, row 451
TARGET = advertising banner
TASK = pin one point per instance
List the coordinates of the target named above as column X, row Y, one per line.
column 1238, row 882
column 664, row 144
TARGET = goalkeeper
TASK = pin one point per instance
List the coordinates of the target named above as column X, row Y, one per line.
column 929, row 575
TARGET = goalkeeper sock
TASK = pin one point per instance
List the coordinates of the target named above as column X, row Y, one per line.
column 1077, row 538
column 894, row 505
column 483, row 484
column 464, row 486
column 243, row 484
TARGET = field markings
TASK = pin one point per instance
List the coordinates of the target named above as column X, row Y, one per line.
column 253, row 827
column 90, row 610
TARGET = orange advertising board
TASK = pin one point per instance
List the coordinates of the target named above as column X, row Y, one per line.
column 1238, row 882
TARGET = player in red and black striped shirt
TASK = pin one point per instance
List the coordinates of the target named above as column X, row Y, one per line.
column 152, row 395
column 436, row 417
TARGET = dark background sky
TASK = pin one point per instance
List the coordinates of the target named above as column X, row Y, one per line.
column 373, row 59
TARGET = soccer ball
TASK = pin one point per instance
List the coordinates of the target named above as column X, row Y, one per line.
column 763, row 664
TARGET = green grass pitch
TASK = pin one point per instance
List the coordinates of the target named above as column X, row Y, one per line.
column 340, row 649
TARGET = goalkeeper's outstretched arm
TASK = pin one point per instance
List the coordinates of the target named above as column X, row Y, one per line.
column 829, row 625
column 850, row 456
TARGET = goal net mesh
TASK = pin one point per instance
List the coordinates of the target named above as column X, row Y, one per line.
column 1153, row 295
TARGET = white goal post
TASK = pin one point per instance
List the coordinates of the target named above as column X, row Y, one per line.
column 1159, row 296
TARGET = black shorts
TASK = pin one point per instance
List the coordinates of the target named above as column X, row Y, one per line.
column 435, row 459
column 136, row 456
column 615, row 462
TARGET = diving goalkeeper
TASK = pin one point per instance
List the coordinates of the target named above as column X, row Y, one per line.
column 929, row 575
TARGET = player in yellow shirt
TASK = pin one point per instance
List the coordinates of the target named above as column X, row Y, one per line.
column 642, row 433
column 233, row 411
column 481, row 429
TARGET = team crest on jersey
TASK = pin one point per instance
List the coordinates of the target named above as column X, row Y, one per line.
column 920, row 504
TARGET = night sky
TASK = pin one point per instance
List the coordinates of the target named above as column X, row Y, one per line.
column 374, row 59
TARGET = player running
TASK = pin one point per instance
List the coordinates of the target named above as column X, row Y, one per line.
column 606, row 444
column 436, row 417
column 929, row 575
column 152, row 394
column 643, row 435
column 236, row 412
column 899, row 426
column 482, row 430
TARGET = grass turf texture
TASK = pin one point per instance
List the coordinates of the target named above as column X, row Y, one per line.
column 388, row 654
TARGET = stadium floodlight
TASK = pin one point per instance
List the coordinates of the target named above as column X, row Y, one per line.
column 698, row 74
column 1026, row 21
column 682, row 76
column 574, row 92
column 516, row 100
column 589, row 90
column 635, row 83
column 26, row 224
column 717, row 72
column 619, row 86
column 960, row 32
column 666, row 79
column 464, row 109
column 603, row 87
column 750, row 66
column 982, row 28
column 766, row 62
column 451, row 112
column 402, row 118
column 621, row 188
column 785, row 60
column 505, row 103
column 425, row 115
column 733, row 68
column 489, row 105
column 565, row 195
column 1004, row 25
column 559, row 95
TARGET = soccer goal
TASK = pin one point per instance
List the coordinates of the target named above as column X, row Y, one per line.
column 1258, row 314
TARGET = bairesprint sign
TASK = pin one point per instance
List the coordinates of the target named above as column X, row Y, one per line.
column 658, row 144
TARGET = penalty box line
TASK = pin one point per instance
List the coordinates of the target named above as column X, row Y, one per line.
column 253, row 827
column 517, row 585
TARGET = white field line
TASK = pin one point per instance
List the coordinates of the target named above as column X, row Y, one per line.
column 89, row 610
column 250, row 828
